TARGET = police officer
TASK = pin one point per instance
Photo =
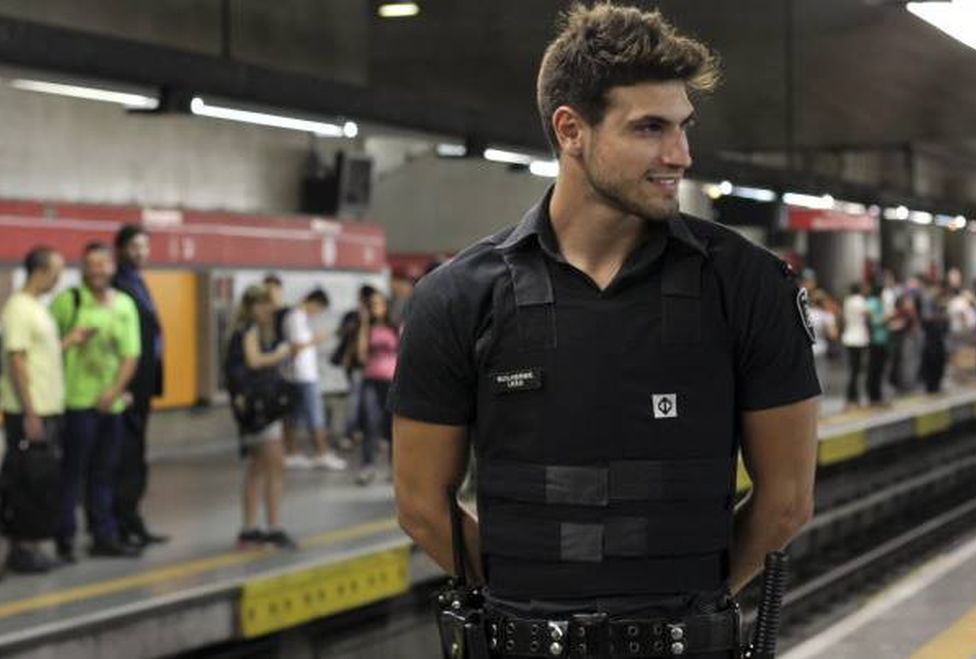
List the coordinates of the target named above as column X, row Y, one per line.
column 608, row 357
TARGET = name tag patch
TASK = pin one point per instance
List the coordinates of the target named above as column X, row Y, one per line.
column 524, row 379
column 665, row 406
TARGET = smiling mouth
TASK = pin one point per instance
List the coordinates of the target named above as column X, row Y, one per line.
column 666, row 182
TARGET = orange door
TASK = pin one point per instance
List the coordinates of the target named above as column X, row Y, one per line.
column 175, row 295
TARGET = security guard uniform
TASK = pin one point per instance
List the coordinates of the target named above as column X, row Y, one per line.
column 605, row 423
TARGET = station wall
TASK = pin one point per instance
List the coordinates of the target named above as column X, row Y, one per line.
column 56, row 148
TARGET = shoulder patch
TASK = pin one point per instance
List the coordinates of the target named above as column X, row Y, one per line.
column 803, row 308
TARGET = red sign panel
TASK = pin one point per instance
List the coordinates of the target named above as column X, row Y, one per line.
column 191, row 238
column 810, row 219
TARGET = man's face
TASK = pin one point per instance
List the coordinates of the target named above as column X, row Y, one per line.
column 52, row 274
column 314, row 309
column 635, row 158
column 136, row 252
column 275, row 292
column 97, row 270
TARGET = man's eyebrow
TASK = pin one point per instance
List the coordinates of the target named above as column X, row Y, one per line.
column 649, row 118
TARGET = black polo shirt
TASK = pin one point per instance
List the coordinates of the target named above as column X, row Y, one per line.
column 437, row 372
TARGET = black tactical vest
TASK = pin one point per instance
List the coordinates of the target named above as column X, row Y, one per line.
column 606, row 437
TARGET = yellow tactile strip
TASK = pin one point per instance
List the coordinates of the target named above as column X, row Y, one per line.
column 276, row 603
column 956, row 642
column 182, row 570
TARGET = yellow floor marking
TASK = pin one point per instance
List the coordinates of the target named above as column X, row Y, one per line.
column 957, row 642
column 842, row 448
column 181, row 570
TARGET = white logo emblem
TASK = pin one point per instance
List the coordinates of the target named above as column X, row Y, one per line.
column 665, row 406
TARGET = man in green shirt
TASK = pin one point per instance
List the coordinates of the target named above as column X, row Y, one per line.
column 32, row 391
column 96, row 374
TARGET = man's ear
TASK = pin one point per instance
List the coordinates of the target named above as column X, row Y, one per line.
column 569, row 128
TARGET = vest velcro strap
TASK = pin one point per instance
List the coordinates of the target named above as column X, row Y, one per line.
column 510, row 533
column 681, row 303
column 625, row 480
column 534, row 300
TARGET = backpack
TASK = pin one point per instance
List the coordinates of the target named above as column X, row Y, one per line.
column 258, row 397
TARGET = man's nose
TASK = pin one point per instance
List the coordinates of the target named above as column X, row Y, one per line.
column 677, row 152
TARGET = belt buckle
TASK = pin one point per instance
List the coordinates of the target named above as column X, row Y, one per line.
column 588, row 635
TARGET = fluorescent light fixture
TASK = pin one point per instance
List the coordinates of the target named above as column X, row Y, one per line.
column 920, row 217
column 88, row 93
column 725, row 187
column 545, row 168
column 398, row 9
column 201, row 108
column 951, row 222
column 510, row 157
column 451, row 150
column 900, row 213
column 852, row 208
column 825, row 202
column 756, row 194
column 712, row 190
column 956, row 18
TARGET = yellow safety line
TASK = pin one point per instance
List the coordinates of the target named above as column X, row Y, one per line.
column 956, row 642
column 183, row 570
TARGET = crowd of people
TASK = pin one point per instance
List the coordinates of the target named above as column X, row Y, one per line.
column 896, row 337
column 78, row 375
column 75, row 387
column 273, row 378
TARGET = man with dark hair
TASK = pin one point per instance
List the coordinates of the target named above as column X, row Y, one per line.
column 96, row 374
column 608, row 357
column 132, row 251
column 31, row 391
column 302, row 372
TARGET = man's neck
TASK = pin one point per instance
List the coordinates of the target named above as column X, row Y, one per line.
column 101, row 296
column 593, row 237
column 32, row 288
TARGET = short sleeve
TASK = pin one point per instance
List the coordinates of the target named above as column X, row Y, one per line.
column 774, row 357
column 129, row 340
column 62, row 308
column 435, row 378
column 15, row 328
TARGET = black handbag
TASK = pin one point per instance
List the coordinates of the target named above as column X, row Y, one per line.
column 30, row 490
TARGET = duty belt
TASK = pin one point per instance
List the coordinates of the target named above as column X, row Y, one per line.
column 597, row 635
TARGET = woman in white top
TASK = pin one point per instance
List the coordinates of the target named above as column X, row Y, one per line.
column 855, row 338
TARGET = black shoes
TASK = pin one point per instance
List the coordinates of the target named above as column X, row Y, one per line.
column 280, row 539
column 26, row 561
column 142, row 538
column 105, row 548
column 250, row 539
column 66, row 552
column 138, row 535
column 254, row 538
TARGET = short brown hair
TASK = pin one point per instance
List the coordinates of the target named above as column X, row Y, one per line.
column 607, row 46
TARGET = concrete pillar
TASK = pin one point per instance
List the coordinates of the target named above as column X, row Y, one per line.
column 838, row 258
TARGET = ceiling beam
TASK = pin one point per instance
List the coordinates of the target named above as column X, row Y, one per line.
column 62, row 50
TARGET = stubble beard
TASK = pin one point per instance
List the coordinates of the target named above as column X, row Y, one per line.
column 614, row 192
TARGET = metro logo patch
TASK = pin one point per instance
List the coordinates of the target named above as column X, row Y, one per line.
column 665, row 406
column 523, row 379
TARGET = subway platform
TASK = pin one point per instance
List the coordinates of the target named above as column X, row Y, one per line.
column 199, row 589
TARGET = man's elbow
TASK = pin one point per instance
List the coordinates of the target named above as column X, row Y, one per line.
column 794, row 516
column 416, row 520
column 788, row 514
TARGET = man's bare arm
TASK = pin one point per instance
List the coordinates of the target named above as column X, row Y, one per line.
column 779, row 447
column 429, row 461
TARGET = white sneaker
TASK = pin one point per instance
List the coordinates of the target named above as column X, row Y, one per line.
column 298, row 461
column 329, row 461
